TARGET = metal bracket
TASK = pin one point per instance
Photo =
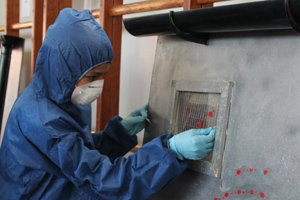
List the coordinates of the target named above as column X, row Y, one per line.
column 201, row 38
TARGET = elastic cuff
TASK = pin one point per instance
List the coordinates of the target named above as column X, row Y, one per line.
column 126, row 138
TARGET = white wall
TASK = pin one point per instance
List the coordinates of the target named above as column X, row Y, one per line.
column 2, row 11
column 137, row 58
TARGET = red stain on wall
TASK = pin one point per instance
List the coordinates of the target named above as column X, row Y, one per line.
column 210, row 114
column 200, row 124
column 239, row 192
column 264, row 172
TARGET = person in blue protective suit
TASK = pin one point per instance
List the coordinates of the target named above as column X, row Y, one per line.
column 48, row 151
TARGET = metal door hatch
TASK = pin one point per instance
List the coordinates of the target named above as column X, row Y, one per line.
column 200, row 104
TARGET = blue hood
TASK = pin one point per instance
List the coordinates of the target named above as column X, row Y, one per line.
column 73, row 45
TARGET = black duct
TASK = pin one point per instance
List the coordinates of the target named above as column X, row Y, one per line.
column 7, row 43
column 263, row 15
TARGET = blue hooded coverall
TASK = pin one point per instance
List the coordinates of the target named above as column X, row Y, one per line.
column 48, row 151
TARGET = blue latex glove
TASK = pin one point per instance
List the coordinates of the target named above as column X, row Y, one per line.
column 135, row 122
column 193, row 144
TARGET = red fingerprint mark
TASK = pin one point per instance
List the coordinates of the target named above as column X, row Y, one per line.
column 265, row 172
column 262, row 195
column 251, row 170
column 238, row 172
column 200, row 125
column 239, row 192
column 210, row 114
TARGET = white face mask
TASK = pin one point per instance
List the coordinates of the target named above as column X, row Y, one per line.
column 86, row 94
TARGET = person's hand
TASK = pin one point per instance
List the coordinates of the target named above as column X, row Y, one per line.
column 135, row 122
column 193, row 144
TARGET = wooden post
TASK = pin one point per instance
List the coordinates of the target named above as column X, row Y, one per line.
column 195, row 4
column 44, row 14
column 108, row 103
column 208, row 5
column 36, row 32
column 65, row 4
column 51, row 11
column 191, row 4
column 12, row 16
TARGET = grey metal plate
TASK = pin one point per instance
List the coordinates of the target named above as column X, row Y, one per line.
column 263, row 132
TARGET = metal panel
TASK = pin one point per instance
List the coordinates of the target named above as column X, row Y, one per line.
column 262, row 140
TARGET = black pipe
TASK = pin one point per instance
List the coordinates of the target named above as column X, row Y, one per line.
column 8, row 43
column 263, row 15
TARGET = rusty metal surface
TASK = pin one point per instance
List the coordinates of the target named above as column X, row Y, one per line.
column 262, row 140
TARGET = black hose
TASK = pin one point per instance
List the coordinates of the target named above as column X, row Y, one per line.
column 263, row 15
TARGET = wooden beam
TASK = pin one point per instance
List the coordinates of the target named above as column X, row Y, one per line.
column 108, row 103
column 12, row 16
column 23, row 25
column 36, row 32
column 144, row 6
column 208, row 5
column 2, row 28
column 95, row 13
